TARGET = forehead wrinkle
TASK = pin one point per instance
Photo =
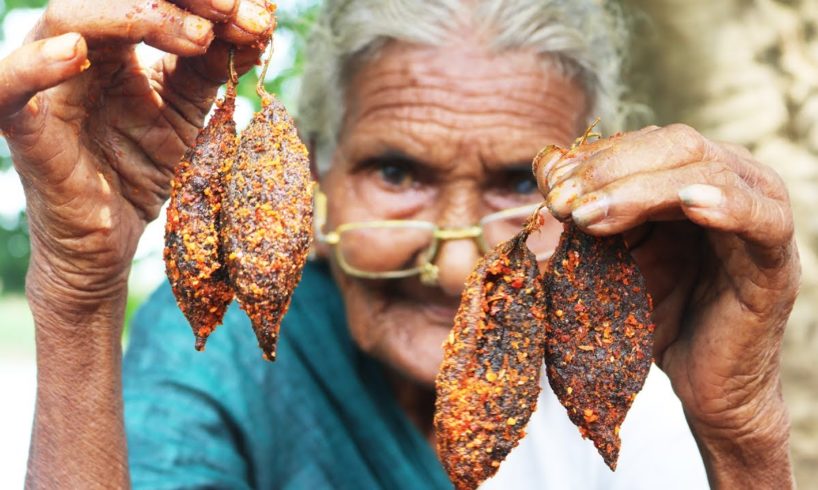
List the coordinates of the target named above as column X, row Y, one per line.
column 400, row 77
column 457, row 107
column 441, row 105
column 417, row 139
column 421, row 122
column 461, row 73
column 462, row 94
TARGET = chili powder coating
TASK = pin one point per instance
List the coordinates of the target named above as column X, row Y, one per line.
column 488, row 382
column 193, row 260
column 599, row 334
column 268, row 219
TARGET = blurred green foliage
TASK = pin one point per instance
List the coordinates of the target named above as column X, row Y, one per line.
column 8, row 6
column 14, row 253
column 298, row 24
column 14, row 244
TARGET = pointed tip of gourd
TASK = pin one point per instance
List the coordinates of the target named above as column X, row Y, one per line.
column 200, row 343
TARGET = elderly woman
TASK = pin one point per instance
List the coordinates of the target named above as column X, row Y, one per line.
column 416, row 111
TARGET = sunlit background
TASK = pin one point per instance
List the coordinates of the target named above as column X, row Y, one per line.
column 17, row 369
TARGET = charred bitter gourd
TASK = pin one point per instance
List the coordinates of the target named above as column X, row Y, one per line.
column 488, row 383
column 193, row 259
column 267, row 218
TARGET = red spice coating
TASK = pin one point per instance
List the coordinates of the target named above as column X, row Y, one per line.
column 488, row 382
column 193, row 259
column 599, row 334
column 268, row 219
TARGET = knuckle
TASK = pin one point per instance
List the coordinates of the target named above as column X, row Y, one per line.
column 56, row 18
column 713, row 173
column 605, row 166
column 777, row 186
column 685, row 136
column 787, row 222
column 739, row 150
column 719, row 172
column 10, row 74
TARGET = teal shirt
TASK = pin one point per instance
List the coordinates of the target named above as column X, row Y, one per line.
column 320, row 417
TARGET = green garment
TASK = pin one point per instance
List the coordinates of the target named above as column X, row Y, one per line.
column 321, row 416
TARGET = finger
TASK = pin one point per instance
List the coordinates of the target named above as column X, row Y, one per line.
column 214, row 10
column 666, row 148
column 193, row 81
column 716, row 200
column 553, row 162
column 669, row 147
column 213, row 68
column 755, row 218
column 38, row 66
column 253, row 22
column 633, row 200
column 158, row 23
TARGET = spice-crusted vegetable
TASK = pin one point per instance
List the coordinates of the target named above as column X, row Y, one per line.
column 268, row 219
column 488, row 383
column 599, row 335
column 193, row 259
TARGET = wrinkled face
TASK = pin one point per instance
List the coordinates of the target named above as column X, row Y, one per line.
column 443, row 134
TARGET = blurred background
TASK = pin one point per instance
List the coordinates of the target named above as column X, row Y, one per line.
column 737, row 70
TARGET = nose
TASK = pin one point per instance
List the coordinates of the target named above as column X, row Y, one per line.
column 455, row 260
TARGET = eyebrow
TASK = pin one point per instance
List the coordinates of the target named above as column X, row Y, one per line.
column 517, row 166
column 399, row 157
column 514, row 167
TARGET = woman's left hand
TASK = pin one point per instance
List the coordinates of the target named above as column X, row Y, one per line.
column 712, row 231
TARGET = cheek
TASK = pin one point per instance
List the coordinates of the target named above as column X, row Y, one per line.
column 394, row 332
column 367, row 315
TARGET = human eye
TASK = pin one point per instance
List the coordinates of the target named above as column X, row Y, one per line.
column 516, row 182
column 392, row 172
column 512, row 186
column 522, row 183
column 395, row 174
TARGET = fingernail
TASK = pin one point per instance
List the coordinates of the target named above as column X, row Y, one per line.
column 593, row 210
column 61, row 48
column 558, row 173
column 253, row 18
column 701, row 195
column 223, row 6
column 561, row 198
column 197, row 29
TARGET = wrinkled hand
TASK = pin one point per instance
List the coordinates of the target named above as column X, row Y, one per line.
column 95, row 137
column 712, row 231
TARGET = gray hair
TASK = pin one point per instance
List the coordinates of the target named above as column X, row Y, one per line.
column 584, row 39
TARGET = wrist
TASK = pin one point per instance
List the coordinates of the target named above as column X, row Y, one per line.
column 74, row 327
column 753, row 454
column 75, row 294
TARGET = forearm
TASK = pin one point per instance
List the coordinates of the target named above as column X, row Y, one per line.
column 755, row 456
column 78, row 438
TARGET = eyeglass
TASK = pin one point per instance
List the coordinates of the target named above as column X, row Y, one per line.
column 391, row 249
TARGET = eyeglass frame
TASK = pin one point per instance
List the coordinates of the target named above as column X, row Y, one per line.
column 428, row 271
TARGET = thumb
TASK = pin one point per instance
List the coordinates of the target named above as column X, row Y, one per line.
column 38, row 66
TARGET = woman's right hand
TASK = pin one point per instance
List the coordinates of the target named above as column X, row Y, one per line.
column 95, row 145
